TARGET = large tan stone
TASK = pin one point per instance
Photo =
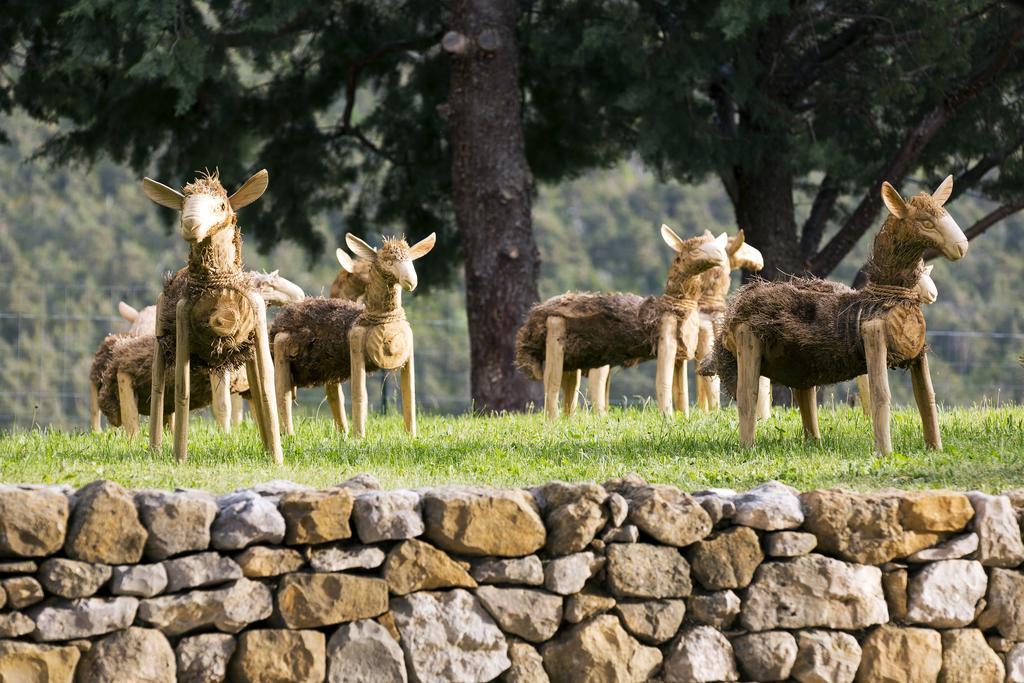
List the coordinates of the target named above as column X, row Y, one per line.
column 105, row 526
column 228, row 609
column 935, row 510
column 316, row 516
column 29, row 663
column 599, row 650
column 701, row 654
column 574, row 513
column 260, row 561
column 967, row 658
column 139, row 655
column 177, row 522
column 1004, row 600
column 663, row 512
column 415, row 566
column 652, row 621
column 891, row 654
column 279, row 656
column 640, row 570
column 32, row 522
column 315, row 600
column 727, row 559
column 483, row 521
column 826, row 657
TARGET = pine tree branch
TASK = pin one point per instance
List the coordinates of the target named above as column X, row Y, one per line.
column 814, row 227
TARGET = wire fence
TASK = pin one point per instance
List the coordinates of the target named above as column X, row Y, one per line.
column 47, row 344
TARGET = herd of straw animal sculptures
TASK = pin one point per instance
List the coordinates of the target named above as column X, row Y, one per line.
column 210, row 321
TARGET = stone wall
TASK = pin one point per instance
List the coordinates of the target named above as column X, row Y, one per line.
column 621, row 582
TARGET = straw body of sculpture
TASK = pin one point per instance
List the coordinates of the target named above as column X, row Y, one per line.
column 577, row 331
column 139, row 323
column 804, row 333
column 212, row 316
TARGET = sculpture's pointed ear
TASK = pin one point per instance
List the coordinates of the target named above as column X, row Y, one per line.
column 723, row 240
column 735, row 243
column 423, row 247
column 708, row 233
column 127, row 312
column 893, row 201
column 671, row 238
column 163, row 195
column 928, row 270
column 251, row 190
column 361, row 249
column 345, row 260
column 942, row 192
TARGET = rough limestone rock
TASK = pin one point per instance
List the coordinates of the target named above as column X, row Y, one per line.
column 177, row 522
column 105, row 526
column 197, row 571
column 767, row 656
column 244, row 519
column 568, row 574
column 826, row 657
column 995, row 522
column 663, row 512
column 953, row 549
column 527, row 571
column 139, row 655
column 894, row 585
column 811, row 591
column 72, row 579
column 652, row 621
column 629, row 533
column 483, row 521
column 387, row 516
column 1015, row 664
column 967, row 658
column 30, row 663
column 574, row 513
column 227, row 609
column 718, row 609
column 641, row 570
column 527, row 664
column 891, row 653
column 259, row 561
column 338, row 559
column 22, row 591
column 618, row 509
column 18, row 567
column 3, row 596
column 580, row 606
column 364, row 652
column 315, row 600
column 531, row 614
column 772, row 506
column 414, row 566
column 139, row 580
column 599, row 649
column 363, row 481
column 15, row 624
column 879, row 527
column 204, row 658
column 32, row 522
column 700, row 654
column 316, row 516
column 70, row 619
column 1004, row 609
column 789, row 543
column 946, row 594
column 727, row 559
column 449, row 636
column 278, row 655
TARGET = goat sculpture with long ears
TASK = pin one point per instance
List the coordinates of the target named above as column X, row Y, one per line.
column 219, row 319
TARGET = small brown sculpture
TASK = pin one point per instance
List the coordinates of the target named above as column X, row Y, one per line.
column 219, row 319
column 575, row 331
column 805, row 332
column 352, row 280
column 140, row 323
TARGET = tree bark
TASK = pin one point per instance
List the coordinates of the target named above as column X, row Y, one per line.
column 764, row 209
column 493, row 192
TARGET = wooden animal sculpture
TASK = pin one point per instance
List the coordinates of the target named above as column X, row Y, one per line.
column 804, row 332
column 575, row 331
column 352, row 280
column 311, row 338
column 218, row 318
column 140, row 323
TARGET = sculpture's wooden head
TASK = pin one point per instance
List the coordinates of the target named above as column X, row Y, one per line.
column 922, row 222
column 205, row 206
column 393, row 260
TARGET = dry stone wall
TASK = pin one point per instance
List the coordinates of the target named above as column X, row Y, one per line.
column 561, row 582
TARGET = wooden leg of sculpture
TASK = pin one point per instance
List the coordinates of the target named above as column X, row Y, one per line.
column 237, row 412
column 864, row 392
column 356, row 338
column 255, row 408
column 570, row 391
column 597, row 388
column 681, row 388
column 764, row 398
column 705, row 338
column 265, row 368
column 554, row 357
column 220, row 384
column 807, row 401
column 748, row 361
column 129, row 404
column 666, row 360
column 714, row 392
column 182, row 378
column 409, row 393
column 875, row 350
column 336, row 402
column 157, row 382
column 94, row 408
column 924, row 394
column 283, row 380
column 607, row 388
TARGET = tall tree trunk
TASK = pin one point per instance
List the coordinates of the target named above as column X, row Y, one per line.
column 492, row 188
column 764, row 209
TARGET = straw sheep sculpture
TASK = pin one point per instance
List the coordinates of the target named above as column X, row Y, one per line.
column 140, row 323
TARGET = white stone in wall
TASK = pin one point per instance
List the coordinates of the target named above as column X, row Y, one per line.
column 998, row 530
column 946, row 594
column 70, row 619
column 244, row 519
column 698, row 655
column 364, row 652
column 140, row 580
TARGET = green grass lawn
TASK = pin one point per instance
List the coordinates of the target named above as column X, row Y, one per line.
column 984, row 448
